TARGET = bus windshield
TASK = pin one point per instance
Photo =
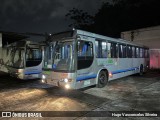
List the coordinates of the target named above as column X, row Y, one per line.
column 17, row 56
column 33, row 57
column 63, row 57
column 48, row 53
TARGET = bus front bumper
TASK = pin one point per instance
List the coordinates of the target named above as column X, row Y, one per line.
column 64, row 83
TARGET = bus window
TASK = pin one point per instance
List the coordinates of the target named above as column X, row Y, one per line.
column 85, row 49
column 18, row 58
column 141, row 52
column 96, row 49
column 133, row 52
column 117, row 51
column 85, row 54
column 48, row 56
column 113, row 50
column 137, row 52
column 109, row 49
column 146, row 53
column 124, row 51
column 101, row 49
column 120, row 51
column 129, row 52
column 104, row 50
column 33, row 57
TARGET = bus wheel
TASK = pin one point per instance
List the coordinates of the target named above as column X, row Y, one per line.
column 141, row 70
column 102, row 79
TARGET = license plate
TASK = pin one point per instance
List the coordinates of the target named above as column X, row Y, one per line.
column 32, row 76
column 35, row 75
column 55, row 83
column 87, row 82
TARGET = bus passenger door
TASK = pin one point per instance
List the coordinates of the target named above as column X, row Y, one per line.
column 85, row 68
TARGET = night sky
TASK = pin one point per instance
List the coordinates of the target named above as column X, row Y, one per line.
column 41, row 16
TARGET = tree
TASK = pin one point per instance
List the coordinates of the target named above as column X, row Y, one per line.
column 118, row 15
column 125, row 15
column 80, row 18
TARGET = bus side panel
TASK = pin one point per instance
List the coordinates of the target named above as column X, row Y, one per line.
column 5, row 59
column 137, row 62
column 33, row 72
column 124, row 68
column 86, row 77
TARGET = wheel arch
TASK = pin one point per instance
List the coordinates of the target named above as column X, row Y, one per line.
column 103, row 69
column 141, row 67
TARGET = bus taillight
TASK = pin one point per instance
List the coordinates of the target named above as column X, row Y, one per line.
column 110, row 75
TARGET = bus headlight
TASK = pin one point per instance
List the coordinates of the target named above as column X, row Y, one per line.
column 43, row 77
column 43, row 81
column 66, row 80
column 67, row 86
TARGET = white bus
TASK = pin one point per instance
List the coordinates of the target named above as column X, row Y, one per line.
column 78, row 59
column 22, row 59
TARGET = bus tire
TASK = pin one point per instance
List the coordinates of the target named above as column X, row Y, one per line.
column 102, row 79
column 141, row 70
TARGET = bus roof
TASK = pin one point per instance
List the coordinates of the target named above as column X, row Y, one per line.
column 101, row 37
column 78, row 32
column 22, row 43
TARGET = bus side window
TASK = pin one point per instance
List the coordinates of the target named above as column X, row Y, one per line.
column 82, row 48
column 47, row 55
column 109, row 49
column 146, row 53
column 85, row 49
column 120, row 51
column 104, row 50
column 124, row 51
column 96, row 49
column 85, row 54
column 113, row 50
column 133, row 52
column 141, row 53
column 137, row 52
column 117, row 55
column 89, row 49
column 129, row 51
column 101, row 49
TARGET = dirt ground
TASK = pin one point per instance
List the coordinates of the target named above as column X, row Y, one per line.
column 132, row 93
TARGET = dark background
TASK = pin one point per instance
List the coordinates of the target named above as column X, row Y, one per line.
column 107, row 17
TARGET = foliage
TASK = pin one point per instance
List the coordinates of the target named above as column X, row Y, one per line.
column 118, row 15
column 80, row 18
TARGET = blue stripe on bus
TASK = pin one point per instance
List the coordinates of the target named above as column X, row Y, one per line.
column 86, row 77
column 113, row 72
column 30, row 73
column 125, row 70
